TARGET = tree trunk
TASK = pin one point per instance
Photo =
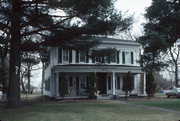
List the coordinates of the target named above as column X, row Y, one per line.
column 176, row 74
column 4, row 83
column 43, row 68
column 4, row 69
column 22, row 85
column 14, row 72
column 29, row 79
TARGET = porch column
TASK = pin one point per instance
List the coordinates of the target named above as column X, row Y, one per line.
column 57, row 84
column 144, row 91
column 113, row 83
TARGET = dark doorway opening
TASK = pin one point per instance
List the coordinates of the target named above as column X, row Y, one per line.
column 101, row 85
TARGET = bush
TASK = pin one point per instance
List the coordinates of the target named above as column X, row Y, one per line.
column 92, row 80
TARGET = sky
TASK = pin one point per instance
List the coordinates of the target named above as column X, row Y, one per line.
column 135, row 8
column 130, row 7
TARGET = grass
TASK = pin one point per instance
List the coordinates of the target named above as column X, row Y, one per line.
column 160, row 95
column 84, row 111
column 173, row 104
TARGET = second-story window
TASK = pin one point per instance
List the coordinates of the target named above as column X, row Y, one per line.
column 113, row 57
column 65, row 55
column 82, row 56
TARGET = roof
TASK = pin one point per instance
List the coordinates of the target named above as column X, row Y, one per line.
column 106, row 40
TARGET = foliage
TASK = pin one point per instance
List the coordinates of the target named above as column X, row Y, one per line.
column 150, row 85
column 128, row 84
column 160, row 32
column 92, row 81
column 161, row 82
column 63, row 85
column 104, row 55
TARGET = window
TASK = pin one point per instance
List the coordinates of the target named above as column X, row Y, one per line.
column 118, row 82
column 65, row 55
column 82, row 56
column 123, row 57
column 71, row 81
column 83, row 82
column 113, row 57
column 132, row 58
column 47, row 84
column 109, row 83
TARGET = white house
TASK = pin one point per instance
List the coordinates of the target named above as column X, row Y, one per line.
column 78, row 65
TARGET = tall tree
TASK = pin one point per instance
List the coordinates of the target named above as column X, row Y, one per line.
column 161, row 31
column 24, row 18
column 174, row 54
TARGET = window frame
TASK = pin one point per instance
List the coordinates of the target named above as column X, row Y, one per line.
column 65, row 55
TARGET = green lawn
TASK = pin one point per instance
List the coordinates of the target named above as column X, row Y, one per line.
column 173, row 104
column 84, row 111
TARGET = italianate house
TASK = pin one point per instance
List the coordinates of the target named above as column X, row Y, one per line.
column 76, row 65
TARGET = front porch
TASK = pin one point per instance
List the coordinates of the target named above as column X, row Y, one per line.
column 109, row 83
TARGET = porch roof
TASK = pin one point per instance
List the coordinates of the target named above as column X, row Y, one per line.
column 97, row 68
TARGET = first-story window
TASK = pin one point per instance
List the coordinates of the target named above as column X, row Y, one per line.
column 47, row 84
column 83, row 85
column 65, row 55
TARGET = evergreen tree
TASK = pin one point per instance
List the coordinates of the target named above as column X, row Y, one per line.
column 128, row 84
column 150, row 85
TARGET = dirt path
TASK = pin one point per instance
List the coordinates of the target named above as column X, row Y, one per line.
column 144, row 106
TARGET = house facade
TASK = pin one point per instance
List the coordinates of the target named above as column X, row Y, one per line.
column 77, row 65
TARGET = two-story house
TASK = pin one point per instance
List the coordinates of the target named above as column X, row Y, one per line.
column 78, row 65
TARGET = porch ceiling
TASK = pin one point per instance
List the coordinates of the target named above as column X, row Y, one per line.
column 97, row 68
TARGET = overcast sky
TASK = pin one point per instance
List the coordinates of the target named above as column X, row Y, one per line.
column 132, row 7
column 136, row 8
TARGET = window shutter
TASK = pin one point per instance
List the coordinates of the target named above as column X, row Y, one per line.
column 70, row 56
column 117, row 56
column 60, row 55
column 103, row 59
column 132, row 58
column 77, row 56
column 123, row 57
column 87, row 56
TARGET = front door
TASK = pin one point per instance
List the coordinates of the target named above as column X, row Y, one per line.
column 102, row 83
